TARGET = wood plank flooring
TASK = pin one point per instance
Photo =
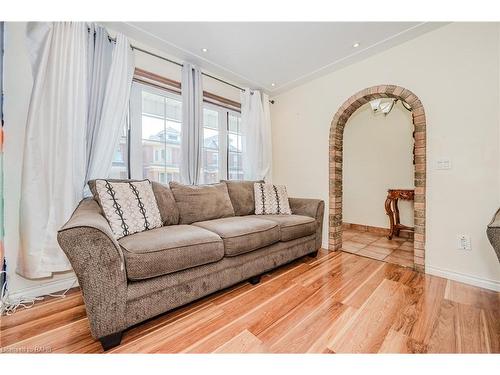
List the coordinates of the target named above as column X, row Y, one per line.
column 335, row 303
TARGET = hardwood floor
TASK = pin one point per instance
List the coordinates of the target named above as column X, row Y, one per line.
column 399, row 250
column 335, row 303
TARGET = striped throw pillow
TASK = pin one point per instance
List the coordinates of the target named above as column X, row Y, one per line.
column 271, row 199
column 130, row 207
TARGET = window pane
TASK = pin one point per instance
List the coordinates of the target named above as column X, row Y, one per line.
column 210, row 138
column 210, row 172
column 174, row 110
column 235, row 168
column 119, row 166
column 152, row 127
column 161, row 137
column 210, row 118
column 153, row 104
column 234, row 123
column 234, row 142
column 235, row 148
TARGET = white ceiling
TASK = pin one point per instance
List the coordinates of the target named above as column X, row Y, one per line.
column 284, row 53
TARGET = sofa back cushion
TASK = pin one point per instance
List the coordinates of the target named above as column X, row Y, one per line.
column 166, row 204
column 202, row 202
column 164, row 198
column 130, row 207
column 242, row 196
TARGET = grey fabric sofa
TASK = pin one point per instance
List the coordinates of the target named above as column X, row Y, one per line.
column 493, row 233
column 137, row 277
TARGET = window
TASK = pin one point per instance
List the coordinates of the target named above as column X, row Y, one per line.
column 119, row 166
column 210, row 151
column 150, row 146
column 155, row 128
column 235, row 147
column 162, row 177
column 222, row 145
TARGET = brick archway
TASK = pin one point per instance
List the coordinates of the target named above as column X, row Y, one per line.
column 335, row 162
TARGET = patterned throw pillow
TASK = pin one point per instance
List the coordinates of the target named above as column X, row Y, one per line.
column 129, row 207
column 271, row 199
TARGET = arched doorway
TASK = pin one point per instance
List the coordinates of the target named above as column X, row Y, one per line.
column 336, row 154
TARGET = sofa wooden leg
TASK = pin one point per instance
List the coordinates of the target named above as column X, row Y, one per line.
column 111, row 341
column 254, row 280
column 313, row 255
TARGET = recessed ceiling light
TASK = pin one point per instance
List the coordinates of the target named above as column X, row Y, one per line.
column 356, row 45
column 204, row 50
column 273, row 84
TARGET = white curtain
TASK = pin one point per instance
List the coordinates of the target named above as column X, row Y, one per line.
column 256, row 131
column 55, row 150
column 78, row 108
column 100, row 52
column 108, row 115
column 192, row 132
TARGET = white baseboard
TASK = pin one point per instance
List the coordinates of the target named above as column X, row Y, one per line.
column 463, row 278
column 44, row 289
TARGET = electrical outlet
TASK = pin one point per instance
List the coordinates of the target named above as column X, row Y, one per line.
column 463, row 242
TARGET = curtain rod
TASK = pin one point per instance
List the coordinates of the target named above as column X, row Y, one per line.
column 181, row 65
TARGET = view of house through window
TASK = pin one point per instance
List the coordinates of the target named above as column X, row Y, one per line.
column 235, row 148
column 155, row 134
column 119, row 166
column 222, row 145
column 154, row 139
column 210, row 169
column 161, row 136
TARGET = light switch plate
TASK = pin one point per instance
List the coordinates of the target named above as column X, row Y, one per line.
column 443, row 164
column 463, row 242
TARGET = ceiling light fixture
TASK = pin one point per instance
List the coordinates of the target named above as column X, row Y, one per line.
column 273, row 84
column 382, row 106
column 204, row 50
column 356, row 45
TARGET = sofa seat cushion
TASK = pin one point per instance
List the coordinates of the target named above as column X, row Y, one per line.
column 293, row 226
column 169, row 249
column 242, row 234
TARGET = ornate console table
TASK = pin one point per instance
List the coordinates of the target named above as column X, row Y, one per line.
column 391, row 208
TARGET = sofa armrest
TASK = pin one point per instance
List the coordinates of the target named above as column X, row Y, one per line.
column 98, row 262
column 493, row 233
column 495, row 221
column 314, row 208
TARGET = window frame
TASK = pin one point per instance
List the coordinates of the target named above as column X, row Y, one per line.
column 236, row 114
column 135, row 145
column 223, row 129
column 159, row 85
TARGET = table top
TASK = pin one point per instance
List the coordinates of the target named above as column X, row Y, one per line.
column 405, row 194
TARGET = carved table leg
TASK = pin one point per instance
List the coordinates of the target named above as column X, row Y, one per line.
column 396, row 217
column 390, row 213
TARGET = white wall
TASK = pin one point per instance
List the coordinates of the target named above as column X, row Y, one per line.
column 17, row 90
column 378, row 155
column 454, row 71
